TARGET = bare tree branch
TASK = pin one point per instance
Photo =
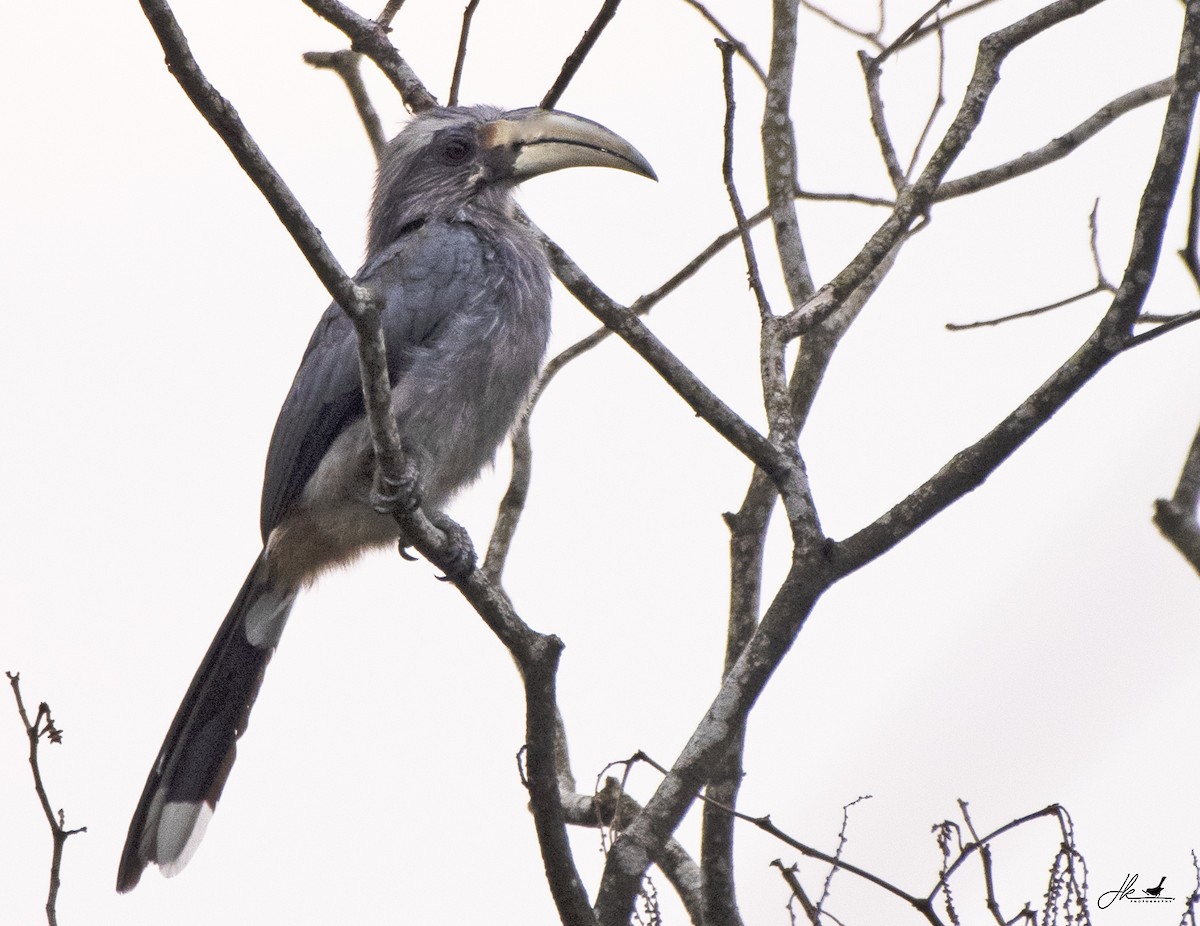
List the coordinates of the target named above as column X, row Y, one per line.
column 779, row 153
column 938, row 103
column 224, row 120
column 909, row 34
column 774, row 380
column 915, row 200
column 370, row 38
column 1026, row 313
column 871, row 37
column 461, row 58
column 887, row 148
column 969, row 468
column 611, row 803
column 1102, row 285
column 841, row 846
column 384, row 19
column 949, row 17
column 1164, row 326
column 1058, row 147
column 844, row 198
column 1190, row 253
column 512, row 505
column 345, row 63
column 812, row 571
column 790, row 875
column 575, row 60
column 625, row 324
column 43, row 725
column 738, row 45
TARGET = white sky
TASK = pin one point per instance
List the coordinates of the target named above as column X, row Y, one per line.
column 1036, row 643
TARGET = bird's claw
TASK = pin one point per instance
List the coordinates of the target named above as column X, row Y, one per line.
column 458, row 558
column 402, row 549
column 390, row 495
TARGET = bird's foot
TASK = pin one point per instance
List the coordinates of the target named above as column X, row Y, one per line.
column 458, row 558
column 390, row 495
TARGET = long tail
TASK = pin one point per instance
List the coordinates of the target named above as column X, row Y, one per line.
column 187, row 778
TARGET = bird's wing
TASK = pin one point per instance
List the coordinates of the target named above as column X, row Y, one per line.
column 426, row 276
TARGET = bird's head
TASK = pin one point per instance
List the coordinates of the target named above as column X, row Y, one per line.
column 453, row 158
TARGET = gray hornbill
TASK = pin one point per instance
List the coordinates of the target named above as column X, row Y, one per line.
column 466, row 318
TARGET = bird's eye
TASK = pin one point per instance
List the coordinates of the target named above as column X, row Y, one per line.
column 455, row 150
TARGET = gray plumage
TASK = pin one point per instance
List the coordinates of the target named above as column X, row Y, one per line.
column 466, row 320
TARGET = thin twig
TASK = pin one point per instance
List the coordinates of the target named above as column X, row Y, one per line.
column 872, row 37
column 985, row 859
column 970, row 467
column 1102, row 285
column 738, row 45
column 938, row 103
column 792, row 876
column 1054, row 810
column 842, row 837
column 371, row 39
column 385, row 18
column 1169, row 324
column 1094, row 246
column 755, row 280
column 43, row 725
column 1190, row 253
column 461, row 57
column 908, row 34
column 856, row 198
column 891, row 160
column 575, row 60
column 512, row 505
column 1056, row 148
column 716, row 858
column 917, row 903
column 346, row 64
column 1025, row 313
column 917, row 198
column 949, row 17
column 771, row 360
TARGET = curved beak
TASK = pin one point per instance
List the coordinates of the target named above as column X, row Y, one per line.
column 541, row 140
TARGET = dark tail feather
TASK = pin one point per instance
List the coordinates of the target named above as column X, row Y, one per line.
column 189, row 774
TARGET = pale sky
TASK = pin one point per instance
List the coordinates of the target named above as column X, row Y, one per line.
column 1034, row 644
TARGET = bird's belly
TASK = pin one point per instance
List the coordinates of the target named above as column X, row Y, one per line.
column 334, row 521
column 453, row 409
column 457, row 405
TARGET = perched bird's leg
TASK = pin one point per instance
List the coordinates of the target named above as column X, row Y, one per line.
column 458, row 558
column 393, row 495
column 390, row 494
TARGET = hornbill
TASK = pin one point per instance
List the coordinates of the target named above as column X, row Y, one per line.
column 465, row 288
